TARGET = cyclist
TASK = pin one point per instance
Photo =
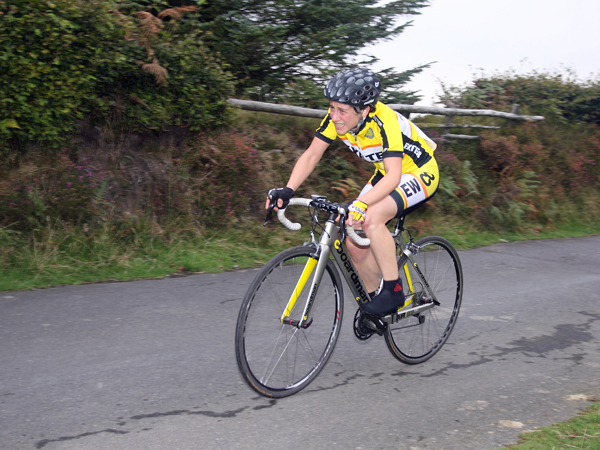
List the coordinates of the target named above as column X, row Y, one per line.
column 406, row 175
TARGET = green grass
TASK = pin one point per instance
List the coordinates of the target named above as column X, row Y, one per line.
column 581, row 432
column 61, row 256
column 463, row 235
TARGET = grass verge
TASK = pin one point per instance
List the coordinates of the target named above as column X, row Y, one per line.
column 60, row 256
column 581, row 432
column 63, row 257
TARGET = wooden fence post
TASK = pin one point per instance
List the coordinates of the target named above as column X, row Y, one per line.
column 514, row 110
column 447, row 123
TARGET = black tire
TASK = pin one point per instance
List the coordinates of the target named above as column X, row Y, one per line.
column 415, row 339
column 276, row 359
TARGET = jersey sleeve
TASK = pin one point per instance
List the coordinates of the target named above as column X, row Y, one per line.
column 326, row 131
column 391, row 135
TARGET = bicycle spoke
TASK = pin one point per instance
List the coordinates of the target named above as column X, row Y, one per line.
column 263, row 378
column 283, row 352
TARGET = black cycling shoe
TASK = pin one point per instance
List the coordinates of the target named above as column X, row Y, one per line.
column 388, row 301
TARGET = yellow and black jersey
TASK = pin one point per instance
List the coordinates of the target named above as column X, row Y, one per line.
column 384, row 134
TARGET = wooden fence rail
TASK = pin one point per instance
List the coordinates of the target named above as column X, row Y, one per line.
column 450, row 113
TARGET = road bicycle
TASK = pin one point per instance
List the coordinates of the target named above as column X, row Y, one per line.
column 291, row 316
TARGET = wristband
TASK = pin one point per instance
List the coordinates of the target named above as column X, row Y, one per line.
column 358, row 210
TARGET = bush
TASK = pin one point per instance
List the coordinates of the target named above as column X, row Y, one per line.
column 457, row 182
column 62, row 60
column 550, row 94
column 228, row 179
column 60, row 190
column 527, row 173
column 500, row 152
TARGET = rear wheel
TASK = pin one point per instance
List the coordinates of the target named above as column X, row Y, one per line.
column 415, row 339
column 278, row 359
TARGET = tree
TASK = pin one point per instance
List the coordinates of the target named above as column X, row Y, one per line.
column 269, row 44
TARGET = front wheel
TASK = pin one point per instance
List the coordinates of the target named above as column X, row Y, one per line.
column 278, row 359
column 417, row 338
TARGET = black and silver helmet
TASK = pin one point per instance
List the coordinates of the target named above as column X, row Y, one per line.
column 355, row 87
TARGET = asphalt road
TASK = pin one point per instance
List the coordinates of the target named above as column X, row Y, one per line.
column 151, row 365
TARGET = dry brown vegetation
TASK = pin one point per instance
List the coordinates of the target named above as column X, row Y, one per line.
column 524, row 177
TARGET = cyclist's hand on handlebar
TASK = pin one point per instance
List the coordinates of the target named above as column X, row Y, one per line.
column 280, row 196
column 357, row 211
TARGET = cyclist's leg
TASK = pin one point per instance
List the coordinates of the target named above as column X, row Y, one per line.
column 415, row 188
column 363, row 257
column 365, row 264
column 371, row 261
column 383, row 249
column 382, row 244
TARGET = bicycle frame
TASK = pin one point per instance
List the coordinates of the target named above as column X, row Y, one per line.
column 331, row 243
column 407, row 250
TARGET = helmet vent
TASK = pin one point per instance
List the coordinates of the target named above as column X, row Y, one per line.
column 358, row 87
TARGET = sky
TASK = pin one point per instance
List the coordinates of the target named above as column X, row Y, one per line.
column 467, row 38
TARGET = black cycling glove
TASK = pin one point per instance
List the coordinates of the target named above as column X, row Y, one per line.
column 284, row 194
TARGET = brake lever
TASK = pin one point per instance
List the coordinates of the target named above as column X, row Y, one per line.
column 269, row 213
column 343, row 220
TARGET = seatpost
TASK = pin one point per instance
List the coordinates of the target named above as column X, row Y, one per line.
column 399, row 225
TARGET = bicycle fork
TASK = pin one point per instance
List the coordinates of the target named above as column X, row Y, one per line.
column 314, row 264
column 317, row 264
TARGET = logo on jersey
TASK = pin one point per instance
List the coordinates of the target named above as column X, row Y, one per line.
column 373, row 157
column 413, row 150
column 370, row 134
column 416, row 152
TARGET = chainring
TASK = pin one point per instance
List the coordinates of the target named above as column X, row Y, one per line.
column 361, row 331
